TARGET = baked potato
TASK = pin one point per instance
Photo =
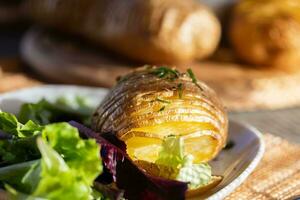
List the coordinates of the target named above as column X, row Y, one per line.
column 152, row 31
column 152, row 103
column 267, row 33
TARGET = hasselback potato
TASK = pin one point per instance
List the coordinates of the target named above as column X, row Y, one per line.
column 152, row 31
column 267, row 32
column 152, row 103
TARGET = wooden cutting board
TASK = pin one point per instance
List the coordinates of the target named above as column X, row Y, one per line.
column 72, row 61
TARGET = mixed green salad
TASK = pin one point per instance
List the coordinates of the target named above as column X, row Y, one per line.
column 48, row 151
column 41, row 159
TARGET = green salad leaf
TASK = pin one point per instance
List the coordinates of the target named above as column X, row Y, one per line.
column 196, row 174
column 174, row 164
column 67, row 168
column 21, row 147
column 10, row 124
column 13, row 174
column 63, row 109
column 172, row 153
column 18, row 150
column 78, row 153
column 58, row 179
column 22, row 143
column 15, row 195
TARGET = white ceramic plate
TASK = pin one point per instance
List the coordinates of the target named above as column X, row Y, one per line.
column 234, row 164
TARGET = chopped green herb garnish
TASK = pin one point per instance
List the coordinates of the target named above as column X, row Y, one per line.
column 162, row 108
column 162, row 100
column 165, row 72
column 193, row 77
column 171, row 135
column 121, row 79
column 180, row 90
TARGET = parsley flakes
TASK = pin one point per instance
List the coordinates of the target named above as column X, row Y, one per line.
column 180, row 90
column 165, row 72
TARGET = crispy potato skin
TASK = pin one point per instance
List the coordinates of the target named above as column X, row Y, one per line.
column 267, row 33
column 132, row 103
column 152, row 31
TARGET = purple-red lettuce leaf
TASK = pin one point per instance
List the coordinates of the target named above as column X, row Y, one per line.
column 110, row 191
column 112, row 138
column 110, row 153
column 135, row 182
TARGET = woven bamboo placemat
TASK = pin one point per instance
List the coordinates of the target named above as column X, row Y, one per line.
column 276, row 177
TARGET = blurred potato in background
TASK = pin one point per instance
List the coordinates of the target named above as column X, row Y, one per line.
column 151, row 31
column 267, row 33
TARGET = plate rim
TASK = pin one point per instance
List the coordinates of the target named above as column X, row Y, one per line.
column 222, row 193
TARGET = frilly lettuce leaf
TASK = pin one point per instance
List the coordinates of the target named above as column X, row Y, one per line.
column 84, row 155
column 58, row 180
column 175, row 165
column 67, row 168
